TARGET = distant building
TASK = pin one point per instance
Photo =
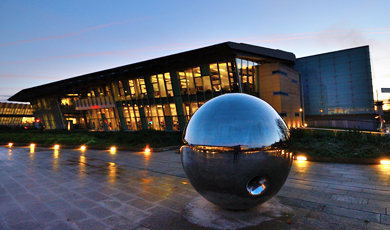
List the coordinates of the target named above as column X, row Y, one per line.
column 163, row 93
column 337, row 89
column 12, row 114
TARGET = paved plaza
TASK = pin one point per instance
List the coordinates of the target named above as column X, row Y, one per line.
column 44, row 188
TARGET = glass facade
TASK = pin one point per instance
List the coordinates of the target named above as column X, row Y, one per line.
column 160, row 94
column 248, row 72
column 12, row 114
column 337, row 83
column 47, row 110
column 162, row 101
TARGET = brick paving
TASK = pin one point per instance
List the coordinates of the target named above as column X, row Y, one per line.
column 95, row 189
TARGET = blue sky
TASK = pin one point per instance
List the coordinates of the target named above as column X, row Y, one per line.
column 46, row 41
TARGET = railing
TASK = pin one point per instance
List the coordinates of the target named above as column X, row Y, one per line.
column 94, row 103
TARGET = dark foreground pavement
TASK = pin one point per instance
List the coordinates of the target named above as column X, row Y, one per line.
column 95, row 189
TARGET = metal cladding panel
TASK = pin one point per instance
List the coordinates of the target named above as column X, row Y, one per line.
column 338, row 82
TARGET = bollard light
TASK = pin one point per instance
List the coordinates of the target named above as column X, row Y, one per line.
column 301, row 158
column 385, row 162
column 113, row 150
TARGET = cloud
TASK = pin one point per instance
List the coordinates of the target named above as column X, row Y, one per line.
column 70, row 34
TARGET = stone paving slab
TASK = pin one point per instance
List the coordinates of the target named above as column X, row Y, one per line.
column 43, row 188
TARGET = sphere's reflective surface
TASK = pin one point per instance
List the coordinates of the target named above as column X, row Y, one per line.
column 236, row 154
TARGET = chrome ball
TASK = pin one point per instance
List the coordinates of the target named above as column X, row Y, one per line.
column 236, row 151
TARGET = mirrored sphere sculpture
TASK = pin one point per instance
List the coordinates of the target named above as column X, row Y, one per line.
column 236, row 151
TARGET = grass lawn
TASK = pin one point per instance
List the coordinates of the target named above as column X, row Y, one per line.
column 351, row 144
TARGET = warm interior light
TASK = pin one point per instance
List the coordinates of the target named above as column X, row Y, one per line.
column 301, row 158
column 83, row 147
column 56, row 146
column 32, row 145
column 10, row 144
column 385, row 162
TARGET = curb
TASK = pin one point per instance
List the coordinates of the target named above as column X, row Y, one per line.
column 345, row 160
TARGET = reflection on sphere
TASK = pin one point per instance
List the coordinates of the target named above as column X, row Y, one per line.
column 235, row 154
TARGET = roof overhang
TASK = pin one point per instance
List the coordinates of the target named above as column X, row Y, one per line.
column 205, row 55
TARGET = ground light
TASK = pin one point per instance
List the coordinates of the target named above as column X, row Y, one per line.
column 147, row 150
column 32, row 148
column 83, row 147
column 113, row 150
column 56, row 146
column 385, row 162
column 301, row 158
column 10, row 144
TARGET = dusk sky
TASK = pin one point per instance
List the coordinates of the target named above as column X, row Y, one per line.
column 47, row 41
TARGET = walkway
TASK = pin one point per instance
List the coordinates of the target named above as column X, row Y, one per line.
column 95, row 189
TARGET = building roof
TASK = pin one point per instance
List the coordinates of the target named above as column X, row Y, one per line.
column 335, row 52
column 205, row 55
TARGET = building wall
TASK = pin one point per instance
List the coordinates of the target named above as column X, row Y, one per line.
column 337, row 83
column 280, row 87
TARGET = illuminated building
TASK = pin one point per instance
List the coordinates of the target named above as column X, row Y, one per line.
column 163, row 93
